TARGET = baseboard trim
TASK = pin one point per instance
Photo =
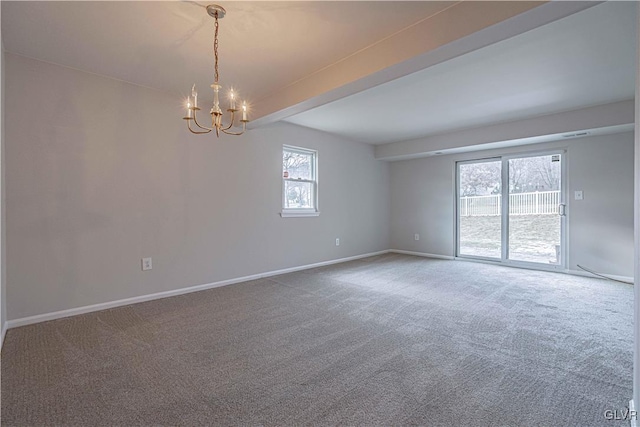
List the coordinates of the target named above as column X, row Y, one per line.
column 634, row 419
column 4, row 332
column 543, row 267
column 24, row 321
column 422, row 254
column 166, row 294
column 587, row 274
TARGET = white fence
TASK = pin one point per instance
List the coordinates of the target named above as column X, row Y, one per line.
column 537, row 203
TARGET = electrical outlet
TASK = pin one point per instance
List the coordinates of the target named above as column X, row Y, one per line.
column 146, row 264
column 337, row 241
column 416, row 236
column 578, row 195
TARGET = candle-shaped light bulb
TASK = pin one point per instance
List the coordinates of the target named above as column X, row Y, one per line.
column 188, row 107
column 244, row 110
column 232, row 100
column 195, row 96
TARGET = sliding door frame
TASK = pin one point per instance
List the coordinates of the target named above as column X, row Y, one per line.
column 457, row 209
column 504, row 186
column 563, row 218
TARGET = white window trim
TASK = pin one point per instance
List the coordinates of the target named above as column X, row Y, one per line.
column 301, row 212
column 298, row 213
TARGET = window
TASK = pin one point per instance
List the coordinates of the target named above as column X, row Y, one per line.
column 299, row 182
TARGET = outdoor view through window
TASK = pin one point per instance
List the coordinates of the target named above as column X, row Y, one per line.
column 299, row 178
column 533, row 218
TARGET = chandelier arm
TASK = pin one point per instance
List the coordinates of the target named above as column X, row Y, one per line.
column 199, row 125
column 230, row 124
column 244, row 128
column 196, row 132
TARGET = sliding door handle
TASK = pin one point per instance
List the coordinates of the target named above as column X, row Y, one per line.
column 562, row 209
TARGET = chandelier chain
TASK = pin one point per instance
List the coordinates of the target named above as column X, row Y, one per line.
column 215, row 50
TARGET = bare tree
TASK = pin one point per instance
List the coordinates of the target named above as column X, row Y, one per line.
column 548, row 171
column 294, row 163
column 480, row 179
column 527, row 174
column 517, row 175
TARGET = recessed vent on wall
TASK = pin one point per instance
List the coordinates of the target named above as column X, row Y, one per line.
column 575, row 134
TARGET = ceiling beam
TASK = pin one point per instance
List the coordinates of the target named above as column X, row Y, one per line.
column 462, row 28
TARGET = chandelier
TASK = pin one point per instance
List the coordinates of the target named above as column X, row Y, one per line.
column 216, row 12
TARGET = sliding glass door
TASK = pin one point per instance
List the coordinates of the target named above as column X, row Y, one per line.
column 480, row 208
column 511, row 209
column 535, row 208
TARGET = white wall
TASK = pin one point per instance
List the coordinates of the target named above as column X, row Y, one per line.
column 636, row 364
column 101, row 173
column 600, row 231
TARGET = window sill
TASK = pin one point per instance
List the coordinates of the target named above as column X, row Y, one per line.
column 294, row 214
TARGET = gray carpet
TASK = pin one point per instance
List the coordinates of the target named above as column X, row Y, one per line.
column 388, row 340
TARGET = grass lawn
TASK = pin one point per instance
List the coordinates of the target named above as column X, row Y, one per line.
column 531, row 237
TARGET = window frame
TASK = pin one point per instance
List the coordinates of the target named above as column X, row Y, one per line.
column 301, row 212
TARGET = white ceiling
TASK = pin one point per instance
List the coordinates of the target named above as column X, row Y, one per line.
column 585, row 59
column 168, row 45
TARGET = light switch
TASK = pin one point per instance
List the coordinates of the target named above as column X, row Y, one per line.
column 577, row 195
